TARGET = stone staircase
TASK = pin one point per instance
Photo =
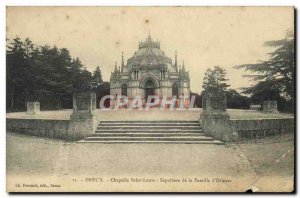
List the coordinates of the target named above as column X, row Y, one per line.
column 164, row 132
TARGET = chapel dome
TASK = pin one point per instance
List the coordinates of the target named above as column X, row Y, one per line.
column 149, row 54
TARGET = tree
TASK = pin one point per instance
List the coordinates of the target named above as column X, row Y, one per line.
column 102, row 88
column 198, row 99
column 101, row 91
column 214, row 80
column 236, row 101
column 43, row 73
column 278, row 70
column 19, row 57
column 267, row 90
column 81, row 78
column 97, row 77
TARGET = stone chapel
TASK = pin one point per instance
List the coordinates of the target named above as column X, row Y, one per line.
column 150, row 72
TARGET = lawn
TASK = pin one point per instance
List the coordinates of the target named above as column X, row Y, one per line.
column 251, row 114
column 153, row 114
column 272, row 160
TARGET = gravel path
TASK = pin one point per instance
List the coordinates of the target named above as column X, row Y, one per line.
column 36, row 159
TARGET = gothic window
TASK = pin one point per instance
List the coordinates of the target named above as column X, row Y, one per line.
column 175, row 90
column 136, row 74
column 124, row 90
column 162, row 74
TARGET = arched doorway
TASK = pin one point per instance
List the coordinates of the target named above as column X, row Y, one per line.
column 175, row 90
column 124, row 90
column 149, row 89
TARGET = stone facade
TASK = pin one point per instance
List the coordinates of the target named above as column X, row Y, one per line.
column 33, row 108
column 57, row 129
column 214, row 118
column 216, row 122
column 214, row 104
column 259, row 128
column 84, row 104
column 270, row 106
column 83, row 121
column 150, row 72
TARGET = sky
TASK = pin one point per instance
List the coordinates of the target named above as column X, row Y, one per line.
column 203, row 36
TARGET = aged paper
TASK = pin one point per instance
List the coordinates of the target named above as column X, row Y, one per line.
column 150, row 99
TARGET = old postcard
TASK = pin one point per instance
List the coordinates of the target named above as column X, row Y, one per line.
column 150, row 99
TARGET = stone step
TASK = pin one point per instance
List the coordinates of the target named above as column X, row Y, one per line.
column 173, row 138
column 148, row 130
column 148, row 127
column 151, row 142
column 140, row 134
column 148, row 123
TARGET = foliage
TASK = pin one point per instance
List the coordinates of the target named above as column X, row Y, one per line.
column 103, row 90
column 198, row 99
column 278, row 71
column 236, row 101
column 267, row 90
column 97, row 78
column 41, row 73
column 214, row 80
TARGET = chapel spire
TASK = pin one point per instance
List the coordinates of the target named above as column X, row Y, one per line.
column 122, row 63
column 116, row 68
column 149, row 37
column 176, row 66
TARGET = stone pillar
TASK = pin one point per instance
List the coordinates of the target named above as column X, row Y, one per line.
column 270, row 106
column 83, row 120
column 33, row 108
column 214, row 118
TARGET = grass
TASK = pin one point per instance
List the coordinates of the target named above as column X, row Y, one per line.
column 250, row 114
column 273, row 155
column 153, row 114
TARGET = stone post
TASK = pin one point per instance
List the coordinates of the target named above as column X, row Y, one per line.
column 270, row 106
column 214, row 118
column 83, row 120
column 33, row 108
